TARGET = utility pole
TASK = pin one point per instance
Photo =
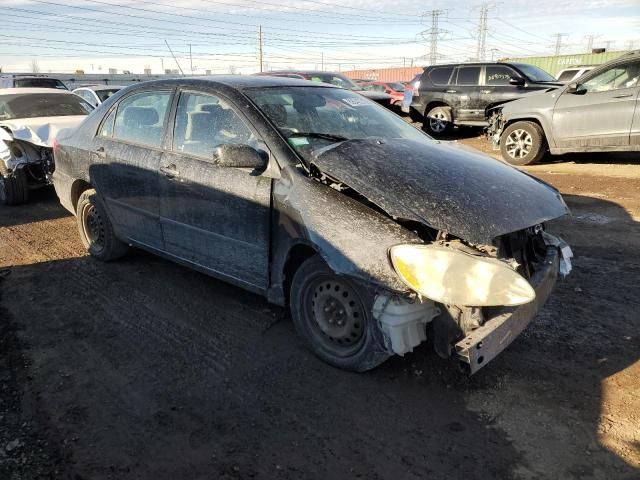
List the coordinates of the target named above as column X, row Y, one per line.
column 630, row 44
column 322, row 61
column 558, row 37
column 493, row 52
column 433, row 34
column 260, row 45
column 483, row 26
column 608, row 44
column 190, row 60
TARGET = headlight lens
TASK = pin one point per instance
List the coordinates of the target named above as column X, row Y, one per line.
column 454, row 277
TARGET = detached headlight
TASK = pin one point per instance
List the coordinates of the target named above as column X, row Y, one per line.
column 453, row 277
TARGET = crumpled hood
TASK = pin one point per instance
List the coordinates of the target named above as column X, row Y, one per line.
column 41, row 131
column 469, row 195
column 538, row 100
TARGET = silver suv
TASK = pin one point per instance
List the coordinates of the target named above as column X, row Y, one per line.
column 598, row 113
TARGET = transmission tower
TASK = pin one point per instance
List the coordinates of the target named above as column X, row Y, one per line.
column 482, row 32
column 630, row 44
column 559, row 37
column 590, row 39
column 433, row 34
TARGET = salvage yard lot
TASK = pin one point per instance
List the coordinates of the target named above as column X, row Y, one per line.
column 144, row 369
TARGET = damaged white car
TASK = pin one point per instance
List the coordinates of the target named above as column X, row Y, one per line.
column 30, row 119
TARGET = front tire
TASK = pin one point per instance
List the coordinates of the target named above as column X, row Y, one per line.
column 14, row 189
column 96, row 231
column 439, row 121
column 333, row 316
column 523, row 143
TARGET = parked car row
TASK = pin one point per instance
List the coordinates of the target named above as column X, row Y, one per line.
column 297, row 187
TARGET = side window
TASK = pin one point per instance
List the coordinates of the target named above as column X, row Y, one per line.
column 140, row 118
column 498, row 75
column 106, row 129
column 615, row 78
column 379, row 88
column 468, row 76
column 440, row 75
column 203, row 122
column 567, row 75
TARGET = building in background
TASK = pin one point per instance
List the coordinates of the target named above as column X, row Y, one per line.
column 396, row 74
column 554, row 63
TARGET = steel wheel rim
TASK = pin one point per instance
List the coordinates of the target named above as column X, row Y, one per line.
column 93, row 227
column 519, row 143
column 438, row 122
column 336, row 315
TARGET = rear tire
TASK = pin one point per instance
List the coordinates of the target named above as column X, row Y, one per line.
column 438, row 121
column 96, row 231
column 523, row 143
column 333, row 316
column 14, row 189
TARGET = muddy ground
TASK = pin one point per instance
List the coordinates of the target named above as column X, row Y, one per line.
column 144, row 369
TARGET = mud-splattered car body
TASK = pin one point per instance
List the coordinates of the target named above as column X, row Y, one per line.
column 28, row 128
column 301, row 201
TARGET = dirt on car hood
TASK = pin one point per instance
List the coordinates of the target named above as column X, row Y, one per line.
column 39, row 131
column 448, row 188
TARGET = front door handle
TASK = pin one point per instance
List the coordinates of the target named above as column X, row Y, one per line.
column 486, row 91
column 100, row 153
column 624, row 95
column 170, row 171
column 451, row 91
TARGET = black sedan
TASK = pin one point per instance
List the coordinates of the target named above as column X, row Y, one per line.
column 323, row 201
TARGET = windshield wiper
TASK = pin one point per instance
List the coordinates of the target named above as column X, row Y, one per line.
column 325, row 136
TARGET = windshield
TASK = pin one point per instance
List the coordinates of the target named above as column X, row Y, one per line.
column 39, row 83
column 534, row 73
column 104, row 94
column 311, row 118
column 337, row 80
column 42, row 105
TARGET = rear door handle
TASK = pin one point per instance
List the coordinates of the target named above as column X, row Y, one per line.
column 486, row 91
column 170, row 171
column 100, row 153
column 624, row 95
column 451, row 91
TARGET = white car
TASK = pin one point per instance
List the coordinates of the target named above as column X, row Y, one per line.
column 96, row 94
column 568, row 75
column 30, row 120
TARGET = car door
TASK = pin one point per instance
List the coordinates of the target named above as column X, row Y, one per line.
column 601, row 110
column 124, row 166
column 216, row 217
column 496, row 88
column 464, row 94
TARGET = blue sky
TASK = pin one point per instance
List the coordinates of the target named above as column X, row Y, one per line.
column 95, row 35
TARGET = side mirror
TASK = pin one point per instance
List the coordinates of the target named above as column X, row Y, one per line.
column 239, row 156
column 518, row 81
column 574, row 88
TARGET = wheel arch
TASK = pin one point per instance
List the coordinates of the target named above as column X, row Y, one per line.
column 529, row 118
column 78, row 187
column 298, row 253
column 437, row 103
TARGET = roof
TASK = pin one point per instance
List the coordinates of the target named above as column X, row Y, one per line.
column 306, row 72
column 97, row 88
column 235, row 81
column 25, row 91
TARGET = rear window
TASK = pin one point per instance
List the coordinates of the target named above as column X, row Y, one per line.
column 42, row 105
column 39, row 83
column 440, row 75
column 567, row 75
column 468, row 76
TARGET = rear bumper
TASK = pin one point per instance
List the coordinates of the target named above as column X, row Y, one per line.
column 485, row 343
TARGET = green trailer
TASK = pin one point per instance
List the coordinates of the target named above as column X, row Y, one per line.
column 554, row 63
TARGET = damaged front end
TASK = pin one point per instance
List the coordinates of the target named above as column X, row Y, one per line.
column 507, row 284
column 24, row 166
column 496, row 127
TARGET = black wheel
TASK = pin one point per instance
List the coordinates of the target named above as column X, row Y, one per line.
column 14, row 189
column 333, row 317
column 96, row 231
column 523, row 143
column 438, row 121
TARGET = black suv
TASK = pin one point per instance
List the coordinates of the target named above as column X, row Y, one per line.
column 462, row 94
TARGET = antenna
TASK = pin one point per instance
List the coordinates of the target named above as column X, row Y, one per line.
column 174, row 57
